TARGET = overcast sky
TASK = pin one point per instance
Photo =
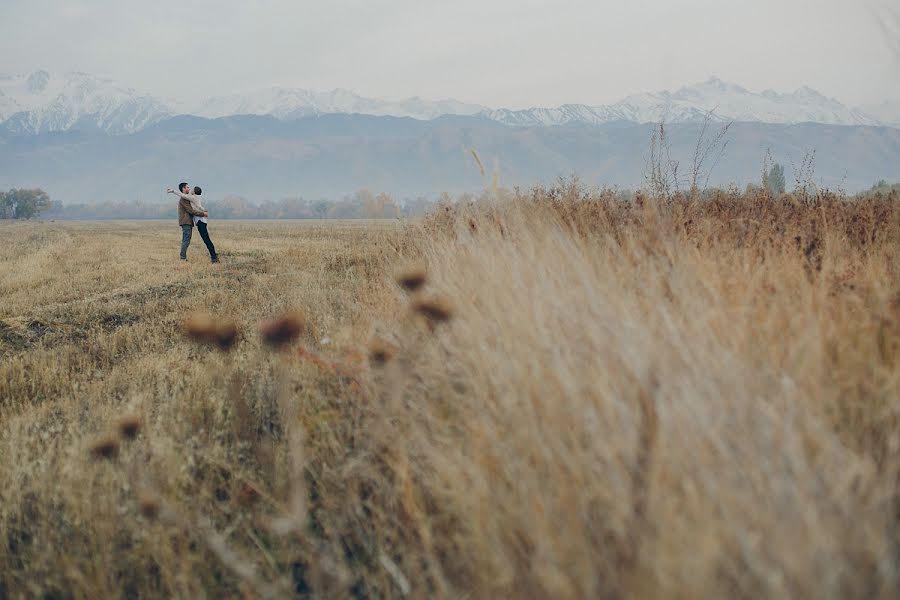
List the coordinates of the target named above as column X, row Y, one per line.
column 512, row 53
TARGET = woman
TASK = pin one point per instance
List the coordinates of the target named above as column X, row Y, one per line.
column 200, row 220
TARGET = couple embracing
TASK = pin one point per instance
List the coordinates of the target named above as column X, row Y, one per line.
column 192, row 213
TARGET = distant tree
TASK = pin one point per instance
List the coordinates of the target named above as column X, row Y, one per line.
column 346, row 208
column 293, row 208
column 884, row 187
column 377, row 206
column 24, row 203
column 775, row 180
column 320, row 208
column 366, row 199
column 234, row 207
column 417, row 207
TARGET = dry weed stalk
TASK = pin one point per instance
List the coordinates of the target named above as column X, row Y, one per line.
column 153, row 506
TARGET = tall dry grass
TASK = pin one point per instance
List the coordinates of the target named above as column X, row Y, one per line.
column 689, row 399
column 566, row 396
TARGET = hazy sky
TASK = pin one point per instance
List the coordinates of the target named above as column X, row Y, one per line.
column 512, row 53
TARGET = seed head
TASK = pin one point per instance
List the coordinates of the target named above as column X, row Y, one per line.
column 204, row 329
column 412, row 278
column 282, row 330
column 380, row 351
column 105, row 447
column 149, row 505
column 246, row 494
column 226, row 335
column 129, row 426
column 200, row 327
column 436, row 310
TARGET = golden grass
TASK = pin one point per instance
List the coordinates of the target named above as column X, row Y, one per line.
column 582, row 398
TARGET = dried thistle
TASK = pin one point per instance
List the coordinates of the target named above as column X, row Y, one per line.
column 200, row 327
column 380, row 351
column 246, row 494
column 204, row 329
column 105, row 447
column 149, row 505
column 412, row 278
column 436, row 310
column 129, row 426
column 282, row 330
column 226, row 335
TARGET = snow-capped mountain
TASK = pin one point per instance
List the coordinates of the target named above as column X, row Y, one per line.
column 41, row 102
column 727, row 101
column 295, row 103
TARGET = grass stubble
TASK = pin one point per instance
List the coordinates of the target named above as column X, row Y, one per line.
column 553, row 395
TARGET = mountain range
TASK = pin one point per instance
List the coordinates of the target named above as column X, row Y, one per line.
column 87, row 139
column 41, row 102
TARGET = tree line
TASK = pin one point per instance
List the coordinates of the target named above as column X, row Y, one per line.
column 364, row 204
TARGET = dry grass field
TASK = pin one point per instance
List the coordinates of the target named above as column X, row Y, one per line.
column 559, row 395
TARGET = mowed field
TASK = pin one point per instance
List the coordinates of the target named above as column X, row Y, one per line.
column 557, row 395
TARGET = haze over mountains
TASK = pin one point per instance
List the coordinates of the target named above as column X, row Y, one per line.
column 84, row 138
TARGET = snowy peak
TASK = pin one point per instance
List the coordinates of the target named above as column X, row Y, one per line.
column 712, row 87
column 40, row 102
column 718, row 99
column 731, row 102
column 293, row 103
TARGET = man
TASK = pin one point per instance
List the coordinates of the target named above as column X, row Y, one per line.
column 187, row 215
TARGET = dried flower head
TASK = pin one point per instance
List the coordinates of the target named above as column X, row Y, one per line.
column 381, row 351
column 204, row 329
column 105, row 447
column 246, row 494
column 436, row 310
column 412, row 278
column 282, row 330
column 129, row 426
column 149, row 505
column 226, row 335
column 199, row 327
